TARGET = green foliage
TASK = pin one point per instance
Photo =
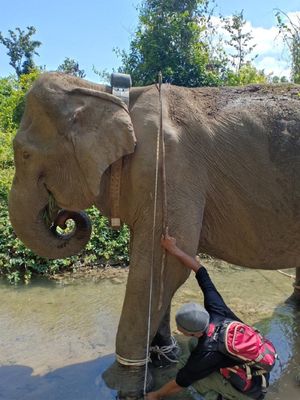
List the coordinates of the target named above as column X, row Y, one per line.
column 179, row 39
column 276, row 79
column 247, row 74
column 104, row 75
column 240, row 41
column 21, row 49
column 16, row 261
column 71, row 67
column 12, row 99
column 106, row 246
column 168, row 39
column 290, row 31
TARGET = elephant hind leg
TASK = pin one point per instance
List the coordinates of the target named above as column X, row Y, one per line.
column 297, row 285
column 164, row 350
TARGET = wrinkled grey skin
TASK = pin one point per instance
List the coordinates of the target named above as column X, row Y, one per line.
column 233, row 179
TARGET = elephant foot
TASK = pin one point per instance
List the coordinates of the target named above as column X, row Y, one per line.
column 164, row 351
column 128, row 381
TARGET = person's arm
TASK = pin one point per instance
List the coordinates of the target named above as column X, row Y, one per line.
column 213, row 301
column 167, row 390
column 169, row 243
column 199, row 365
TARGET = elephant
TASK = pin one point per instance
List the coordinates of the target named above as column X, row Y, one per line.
column 232, row 160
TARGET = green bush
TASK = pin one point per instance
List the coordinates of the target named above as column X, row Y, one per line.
column 12, row 99
column 106, row 246
column 17, row 262
column 248, row 74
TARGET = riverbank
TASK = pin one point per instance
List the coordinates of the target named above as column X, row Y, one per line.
column 58, row 336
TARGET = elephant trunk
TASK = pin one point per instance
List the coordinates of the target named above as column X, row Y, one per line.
column 26, row 213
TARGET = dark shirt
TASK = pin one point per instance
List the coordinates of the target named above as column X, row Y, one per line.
column 206, row 359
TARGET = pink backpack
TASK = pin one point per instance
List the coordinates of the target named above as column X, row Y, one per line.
column 244, row 343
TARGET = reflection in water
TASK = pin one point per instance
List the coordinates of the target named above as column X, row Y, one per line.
column 76, row 382
column 284, row 331
column 57, row 339
column 281, row 331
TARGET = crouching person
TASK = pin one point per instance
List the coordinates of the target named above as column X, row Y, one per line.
column 227, row 359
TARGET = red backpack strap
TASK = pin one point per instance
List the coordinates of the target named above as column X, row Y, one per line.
column 211, row 329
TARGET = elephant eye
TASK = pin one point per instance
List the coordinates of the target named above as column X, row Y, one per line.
column 26, row 155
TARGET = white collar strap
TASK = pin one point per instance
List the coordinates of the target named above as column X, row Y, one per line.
column 120, row 87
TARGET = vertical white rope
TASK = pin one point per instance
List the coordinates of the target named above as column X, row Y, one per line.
column 165, row 221
column 152, row 257
column 165, row 217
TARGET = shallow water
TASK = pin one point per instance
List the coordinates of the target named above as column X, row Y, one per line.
column 56, row 338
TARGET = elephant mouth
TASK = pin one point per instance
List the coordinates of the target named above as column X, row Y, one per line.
column 51, row 209
column 68, row 223
column 62, row 222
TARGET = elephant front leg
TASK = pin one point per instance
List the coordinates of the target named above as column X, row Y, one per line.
column 131, row 341
column 134, row 330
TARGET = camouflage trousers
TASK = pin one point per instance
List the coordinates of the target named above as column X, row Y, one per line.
column 214, row 384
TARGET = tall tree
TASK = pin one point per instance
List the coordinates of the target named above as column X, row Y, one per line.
column 169, row 39
column 239, row 41
column 290, row 31
column 71, row 67
column 21, row 49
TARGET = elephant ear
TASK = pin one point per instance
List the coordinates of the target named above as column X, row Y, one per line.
column 102, row 133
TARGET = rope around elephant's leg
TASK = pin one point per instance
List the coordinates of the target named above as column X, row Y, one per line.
column 163, row 351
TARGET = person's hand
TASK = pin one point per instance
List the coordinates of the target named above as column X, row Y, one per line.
column 152, row 396
column 169, row 243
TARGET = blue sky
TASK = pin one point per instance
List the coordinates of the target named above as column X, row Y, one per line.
column 89, row 30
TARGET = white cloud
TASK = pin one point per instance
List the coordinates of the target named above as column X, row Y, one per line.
column 266, row 40
column 273, row 65
column 294, row 17
column 272, row 56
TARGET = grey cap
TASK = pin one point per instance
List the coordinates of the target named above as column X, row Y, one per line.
column 192, row 317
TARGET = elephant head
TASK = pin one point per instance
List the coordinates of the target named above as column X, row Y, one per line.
column 70, row 133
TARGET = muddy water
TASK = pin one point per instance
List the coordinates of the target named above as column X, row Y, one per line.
column 57, row 338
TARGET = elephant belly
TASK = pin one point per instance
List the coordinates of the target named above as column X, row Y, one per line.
column 252, row 236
